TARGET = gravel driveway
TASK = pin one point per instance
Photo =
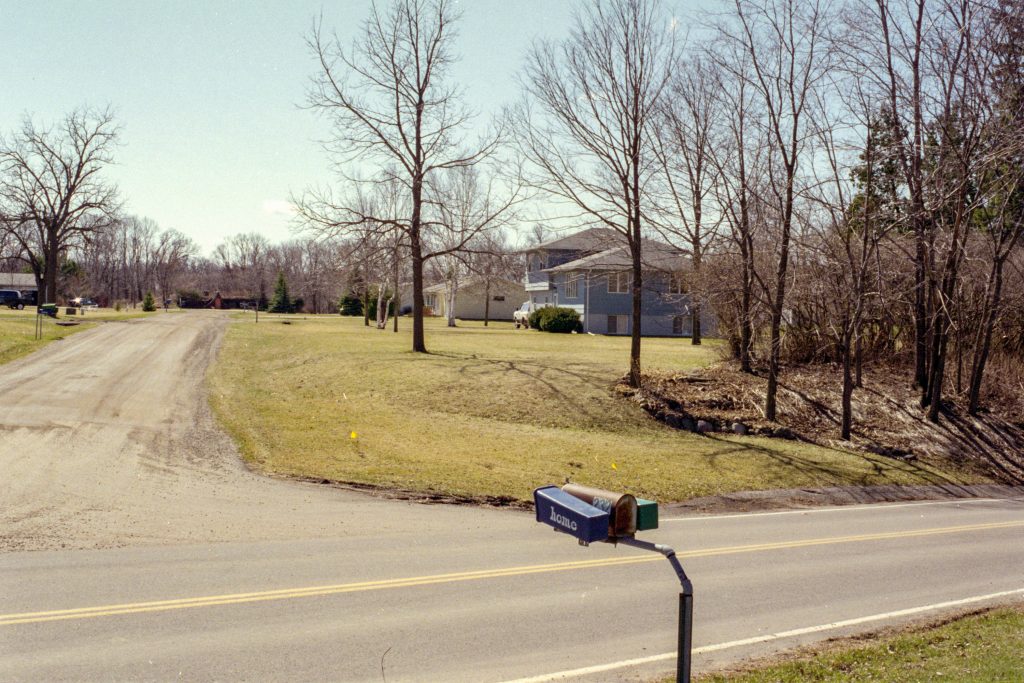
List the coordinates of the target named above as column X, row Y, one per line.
column 106, row 439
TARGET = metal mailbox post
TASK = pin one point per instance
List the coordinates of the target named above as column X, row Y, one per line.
column 590, row 514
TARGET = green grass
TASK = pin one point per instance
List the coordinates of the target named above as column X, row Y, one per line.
column 17, row 329
column 980, row 648
column 490, row 412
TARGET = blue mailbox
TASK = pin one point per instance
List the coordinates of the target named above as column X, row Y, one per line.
column 568, row 513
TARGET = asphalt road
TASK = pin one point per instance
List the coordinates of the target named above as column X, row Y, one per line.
column 347, row 587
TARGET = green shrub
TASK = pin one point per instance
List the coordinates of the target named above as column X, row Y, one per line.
column 558, row 319
column 535, row 317
column 350, row 304
column 148, row 305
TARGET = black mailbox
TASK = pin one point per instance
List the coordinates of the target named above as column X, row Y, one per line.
column 621, row 507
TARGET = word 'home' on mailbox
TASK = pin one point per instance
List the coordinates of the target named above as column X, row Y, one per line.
column 621, row 507
column 570, row 515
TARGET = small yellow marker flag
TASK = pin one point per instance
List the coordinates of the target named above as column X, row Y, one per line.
column 352, row 435
column 614, row 466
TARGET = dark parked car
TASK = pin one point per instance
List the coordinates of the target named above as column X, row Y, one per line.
column 12, row 299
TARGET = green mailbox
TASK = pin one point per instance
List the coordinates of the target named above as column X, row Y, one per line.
column 646, row 515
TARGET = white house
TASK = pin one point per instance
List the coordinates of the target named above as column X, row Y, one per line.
column 476, row 298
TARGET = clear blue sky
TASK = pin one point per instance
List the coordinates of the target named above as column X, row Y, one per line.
column 208, row 92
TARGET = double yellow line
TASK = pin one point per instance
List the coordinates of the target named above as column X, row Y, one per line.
column 388, row 584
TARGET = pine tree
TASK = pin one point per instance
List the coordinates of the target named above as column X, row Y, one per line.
column 281, row 302
column 148, row 305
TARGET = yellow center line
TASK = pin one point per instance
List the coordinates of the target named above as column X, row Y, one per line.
column 386, row 584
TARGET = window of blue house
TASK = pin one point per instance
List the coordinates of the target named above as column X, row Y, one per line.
column 676, row 284
column 681, row 324
column 618, row 283
column 572, row 287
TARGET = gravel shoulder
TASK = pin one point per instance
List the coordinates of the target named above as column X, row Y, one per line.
column 107, row 440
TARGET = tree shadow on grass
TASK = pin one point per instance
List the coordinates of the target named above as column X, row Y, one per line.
column 547, row 382
column 835, row 475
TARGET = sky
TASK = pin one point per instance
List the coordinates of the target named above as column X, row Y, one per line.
column 209, row 93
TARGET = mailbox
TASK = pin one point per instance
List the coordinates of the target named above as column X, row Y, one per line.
column 621, row 507
column 568, row 513
column 646, row 515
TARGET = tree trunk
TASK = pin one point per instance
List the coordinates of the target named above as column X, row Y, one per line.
column 487, row 301
column 382, row 308
column 858, row 356
column 418, row 344
column 936, row 378
column 398, row 295
column 847, row 419
column 638, row 280
column 450, row 293
column 983, row 349
column 770, row 403
column 50, row 270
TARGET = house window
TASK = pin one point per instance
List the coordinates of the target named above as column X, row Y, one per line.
column 430, row 301
column 572, row 287
column 618, row 283
column 676, row 284
column 679, row 324
column 617, row 324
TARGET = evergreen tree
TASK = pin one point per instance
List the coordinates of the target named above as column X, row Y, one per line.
column 350, row 304
column 281, row 302
column 148, row 305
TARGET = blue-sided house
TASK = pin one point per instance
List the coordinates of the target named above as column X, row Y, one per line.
column 591, row 272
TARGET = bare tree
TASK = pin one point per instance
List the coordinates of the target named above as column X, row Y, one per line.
column 392, row 104
column 492, row 258
column 684, row 144
column 585, row 125
column 1002, row 179
column 53, row 190
column 788, row 49
column 739, row 163
column 465, row 202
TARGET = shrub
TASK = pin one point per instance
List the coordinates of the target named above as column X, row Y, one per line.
column 557, row 319
column 350, row 304
column 535, row 317
column 148, row 305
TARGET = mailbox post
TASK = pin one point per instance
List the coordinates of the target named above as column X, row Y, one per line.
column 685, row 632
column 591, row 514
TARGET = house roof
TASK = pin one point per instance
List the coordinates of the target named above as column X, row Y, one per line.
column 17, row 281
column 472, row 282
column 591, row 239
column 655, row 256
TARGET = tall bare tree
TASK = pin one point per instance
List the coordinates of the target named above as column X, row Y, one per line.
column 392, row 103
column 787, row 44
column 585, row 125
column 685, row 138
column 52, row 186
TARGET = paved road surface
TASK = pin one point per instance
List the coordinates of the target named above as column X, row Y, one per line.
column 224, row 575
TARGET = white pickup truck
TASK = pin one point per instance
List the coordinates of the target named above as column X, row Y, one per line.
column 521, row 316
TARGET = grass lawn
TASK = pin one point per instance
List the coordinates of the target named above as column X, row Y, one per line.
column 490, row 413
column 980, row 648
column 17, row 329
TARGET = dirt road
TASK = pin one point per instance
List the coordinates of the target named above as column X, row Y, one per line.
column 106, row 440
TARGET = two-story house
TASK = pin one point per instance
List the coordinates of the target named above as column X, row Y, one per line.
column 591, row 272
